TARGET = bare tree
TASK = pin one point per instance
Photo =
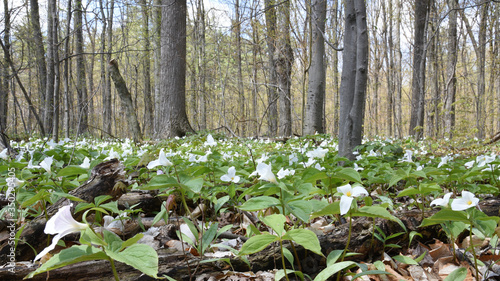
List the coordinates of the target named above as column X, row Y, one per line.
column 418, row 79
column 283, row 67
column 126, row 98
column 81, row 81
column 4, row 70
column 170, row 115
column 146, row 65
column 272, row 93
column 313, row 120
column 39, row 50
column 354, row 78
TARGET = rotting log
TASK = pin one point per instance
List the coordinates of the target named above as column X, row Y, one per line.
column 175, row 264
column 107, row 178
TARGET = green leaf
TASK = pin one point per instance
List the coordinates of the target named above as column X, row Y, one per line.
column 276, row 222
column 306, row 238
column 331, row 209
column 259, row 203
column 208, row 236
column 405, row 259
column 257, row 243
column 458, row 274
column 194, row 185
column 333, row 257
column 332, row 269
column 288, row 255
column 369, row 272
column 446, row 215
column 131, row 241
column 140, row 256
column 280, row 274
column 408, row 192
column 301, row 209
column 114, row 242
column 69, row 256
column 377, row 212
column 101, row 199
column 71, row 171
column 348, row 174
column 161, row 181
column 68, row 196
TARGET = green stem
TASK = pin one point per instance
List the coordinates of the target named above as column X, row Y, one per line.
column 473, row 250
column 283, row 260
column 114, row 269
column 347, row 244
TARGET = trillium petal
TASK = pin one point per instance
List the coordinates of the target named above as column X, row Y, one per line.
column 358, row 191
column 345, row 204
column 345, row 189
column 225, row 178
column 236, row 179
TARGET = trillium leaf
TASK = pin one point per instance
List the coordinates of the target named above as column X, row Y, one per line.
column 257, row 243
column 458, row 274
column 259, row 203
column 71, row 170
column 405, row 259
column 69, row 256
column 348, row 174
column 306, row 238
column 332, row 269
column 446, row 215
column 331, row 209
column 301, row 209
column 139, row 256
column 377, row 212
column 276, row 222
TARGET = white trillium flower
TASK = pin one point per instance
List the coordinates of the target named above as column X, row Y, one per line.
column 210, row 141
column 372, row 154
column 265, row 172
column 284, row 173
column 484, row 159
column 358, row 168
column 407, row 157
column 31, row 166
column 317, row 153
column 12, row 183
column 4, row 155
column 442, row 201
column 319, row 167
column 468, row 200
column 60, row 225
column 161, row 161
column 469, row 164
column 348, row 194
column 86, row 163
column 230, row 176
column 47, row 163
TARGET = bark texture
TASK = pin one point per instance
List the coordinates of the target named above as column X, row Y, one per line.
column 126, row 98
column 313, row 120
column 170, row 116
column 354, row 78
column 418, row 80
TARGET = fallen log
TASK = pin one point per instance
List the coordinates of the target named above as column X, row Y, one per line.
column 107, row 178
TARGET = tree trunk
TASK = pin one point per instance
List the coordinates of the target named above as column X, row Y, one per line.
column 57, row 81
column 354, row 78
column 434, row 70
column 241, row 90
column 398, row 75
column 313, row 121
column 335, row 67
column 51, row 65
column 451, row 80
column 255, row 68
column 284, row 62
column 81, row 81
column 66, row 78
column 39, row 51
column 418, row 80
column 126, row 98
column 148, row 99
column 4, row 71
column 272, row 93
column 170, row 116
column 156, row 55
